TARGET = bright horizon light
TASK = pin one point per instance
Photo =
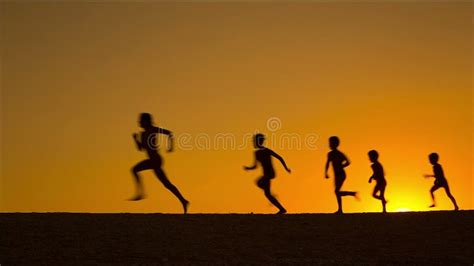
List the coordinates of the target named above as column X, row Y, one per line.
column 403, row 210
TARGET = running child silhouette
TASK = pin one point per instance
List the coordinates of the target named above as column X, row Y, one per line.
column 339, row 161
column 263, row 156
column 379, row 177
column 440, row 181
column 147, row 141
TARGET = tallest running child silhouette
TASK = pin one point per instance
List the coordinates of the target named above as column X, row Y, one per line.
column 147, row 142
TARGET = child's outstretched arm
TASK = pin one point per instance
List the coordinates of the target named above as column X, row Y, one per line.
column 346, row 162
column 170, row 142
column 372, row 176
column 254, row 166
column 428, row 176
column 282, row 161
column 137, row 142
column 370, row 179
column 170, row 137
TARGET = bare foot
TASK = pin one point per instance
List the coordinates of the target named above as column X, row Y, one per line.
column 185, row 206
column 357, row 196
column 456, row 208
column 283, row 211
column 432, row 205
column 137, row 198
column 338, row 212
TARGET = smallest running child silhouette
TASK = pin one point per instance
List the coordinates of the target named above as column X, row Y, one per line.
column 379, row 177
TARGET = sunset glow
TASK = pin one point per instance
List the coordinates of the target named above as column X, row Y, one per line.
column 395, row 77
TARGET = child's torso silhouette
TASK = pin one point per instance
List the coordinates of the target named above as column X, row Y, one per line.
column 439, row 174
column 379, row 175
column 337, row 158
column 149, row 142
column 264, row 157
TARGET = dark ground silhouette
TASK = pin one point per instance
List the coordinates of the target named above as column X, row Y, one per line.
column 263, row 157
column 439, row 238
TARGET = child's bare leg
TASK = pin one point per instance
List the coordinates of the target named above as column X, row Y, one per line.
column 138, row 186
column 273, row 200
column 339, row 203
column 141, row 166
column 165, row 181
column 382, row 198
column 374, row 194
column 354, row 194
column 337, row 191
column 451, row 197
column 432, row 190
column 264, row 183
column 347, row 193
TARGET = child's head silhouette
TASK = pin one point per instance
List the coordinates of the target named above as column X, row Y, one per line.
column 258, row 140
column 334, row 142
column 434, row 157
column 146, row 120
column 373, row 155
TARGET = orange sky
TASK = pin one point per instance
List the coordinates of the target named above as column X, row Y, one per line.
column 396, row 77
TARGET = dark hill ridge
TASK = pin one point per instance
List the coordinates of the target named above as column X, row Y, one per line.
column 396, row 238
